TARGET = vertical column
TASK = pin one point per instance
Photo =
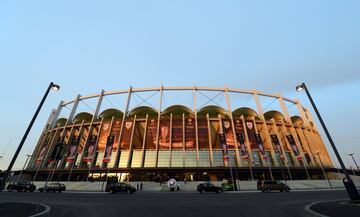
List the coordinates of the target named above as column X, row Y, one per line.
column 144, row 142
column 70, row 120
column 210, row 142
column 49, row 125
column 267, row 135
column 292, row 129
column 158, row 127
column 131, row 143
column 184, row 141
column 127, row 103
column 171, row 139
column 196, row 129
column 248, row 147
column 94, row 118
column 237, row 153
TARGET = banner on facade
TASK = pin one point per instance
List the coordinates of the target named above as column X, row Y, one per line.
column 224, row 147
column 241, row 141
column 73, row 148
column 250, row 129
column 56, row 154
column 293, row 146
column 108, row 149
column 260, row 145
column 275, row 141
column 151, row 134
column 41, row 155
column 89, row 152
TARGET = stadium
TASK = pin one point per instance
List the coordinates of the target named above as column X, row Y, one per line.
column 187, row 133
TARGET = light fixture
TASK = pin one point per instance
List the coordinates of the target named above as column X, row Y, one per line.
column 300, row 87
column 55, row 87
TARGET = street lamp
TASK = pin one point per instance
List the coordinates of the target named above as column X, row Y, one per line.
column 322, row 169
column 27, row 158
column 352, row 156
column 348, row 182
column 52, row 86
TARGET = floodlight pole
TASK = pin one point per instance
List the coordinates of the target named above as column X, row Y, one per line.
column 6, row 175
column 348, row 182
column 352, row 156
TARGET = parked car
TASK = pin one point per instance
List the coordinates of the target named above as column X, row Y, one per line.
column 228, row 187
column 21, row 186
column 267, row 186
column 120, row 187
column 53, row 187
column 208, row 187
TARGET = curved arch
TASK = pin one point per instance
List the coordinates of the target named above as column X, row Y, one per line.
column 297, row 120
column 273, row 114
column 245, row 111
column 87, row 117
column 142, row 111
column 212, row 110
column 109, row 113
column 60, row 122
column 177, row 110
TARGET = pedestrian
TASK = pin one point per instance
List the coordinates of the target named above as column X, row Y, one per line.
column 141, row 186
column 137, row 186
column 185, row 180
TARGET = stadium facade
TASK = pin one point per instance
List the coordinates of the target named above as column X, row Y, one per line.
column 207, row 141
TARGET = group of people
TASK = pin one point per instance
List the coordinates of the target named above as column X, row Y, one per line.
column 139, row 186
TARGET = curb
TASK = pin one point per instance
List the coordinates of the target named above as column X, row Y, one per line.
column 46, row 211
column 311, row 213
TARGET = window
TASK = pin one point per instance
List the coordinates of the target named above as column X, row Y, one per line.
column 150, row 159
column 164, row 159
column 124, row 155
column 190, row 159
column 204, row 160
column 256, row 158
column 289, row 158
column 218, row 159
column 136, row 159
column 177, row 159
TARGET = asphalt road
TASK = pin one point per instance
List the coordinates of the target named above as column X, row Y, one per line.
column 159, row 204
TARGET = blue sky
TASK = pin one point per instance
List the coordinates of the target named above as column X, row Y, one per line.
column 87, row 46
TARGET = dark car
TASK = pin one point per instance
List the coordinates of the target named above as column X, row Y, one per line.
column 53, row 187
column 267, row 186
column 120, row 187
column 208, row 187
column 21, row 186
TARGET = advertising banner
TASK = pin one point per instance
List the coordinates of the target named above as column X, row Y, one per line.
column 190, row 133
column 73, row 148
column 151, row 134
column 241, row 141
column 104, row 133
column 260, row 145
column 203, row 134
column 229, row 135
column 56, row 154
column 89, row 152
column 164, row 142
column 276, row 143
column 41, row 154
column 250, row 128
column 224, row 147
column 292, row 143
column 115, row 131
column 177, row 134
column 126, row 134
column 108, row 150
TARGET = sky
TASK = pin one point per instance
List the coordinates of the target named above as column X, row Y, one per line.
column 87, row 46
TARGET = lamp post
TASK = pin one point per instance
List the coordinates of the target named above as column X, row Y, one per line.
column 348, row 182
column 322, row 169
column 27, row 158
column 52, row 86
column 352, row 156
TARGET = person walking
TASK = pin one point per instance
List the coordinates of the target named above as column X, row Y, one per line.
column 137, row 186
column 141, row 185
